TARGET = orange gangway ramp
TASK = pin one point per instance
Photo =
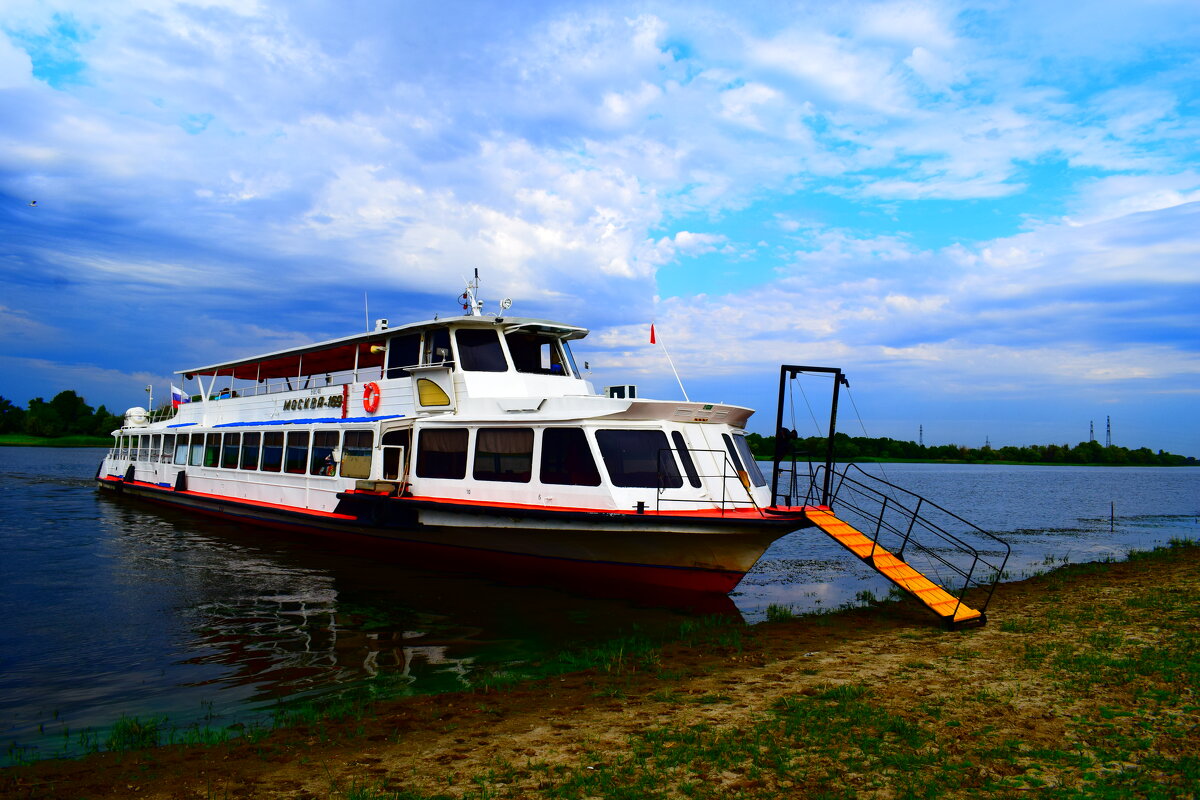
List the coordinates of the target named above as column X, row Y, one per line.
column 894, row 569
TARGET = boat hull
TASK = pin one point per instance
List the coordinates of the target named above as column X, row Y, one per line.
column 690, row 551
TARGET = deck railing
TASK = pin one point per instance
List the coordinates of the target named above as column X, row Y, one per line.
column 729, row 472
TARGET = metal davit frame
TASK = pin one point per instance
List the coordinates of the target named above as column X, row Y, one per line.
column 784, row 436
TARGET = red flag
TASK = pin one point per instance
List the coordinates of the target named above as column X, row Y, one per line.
column 652, row 333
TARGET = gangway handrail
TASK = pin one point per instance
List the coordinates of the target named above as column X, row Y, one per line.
column 838, row 496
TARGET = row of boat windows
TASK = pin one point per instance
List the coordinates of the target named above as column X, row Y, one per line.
column 297, row 452
column 481, row 350
column 641, row 458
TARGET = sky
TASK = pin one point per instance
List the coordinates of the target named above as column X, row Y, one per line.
column 987, row 213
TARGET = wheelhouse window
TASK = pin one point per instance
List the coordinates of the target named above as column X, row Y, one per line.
column 295, row 457
column 322, row 461
column 356, row 454
column 567, row 459
column 685, row 456
column 479, row 350
column 403, row 351
column 250, row 448
column 639, row 458
column 442, row 453
column 230, row 450
column 743, row 459
column 503, row 454
column 436, row 349
column 272, row 452
column 536, row 353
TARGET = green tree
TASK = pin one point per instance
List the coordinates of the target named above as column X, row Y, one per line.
column 41, row 419
column 12, row 416
column 76, row 415
column 104, row 422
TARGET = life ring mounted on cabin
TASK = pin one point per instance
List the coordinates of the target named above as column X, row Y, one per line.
column 371, row 397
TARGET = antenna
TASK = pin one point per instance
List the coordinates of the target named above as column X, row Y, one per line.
column 1091, row 430
column 921, row 435
column 469, row 300
column 669, row 361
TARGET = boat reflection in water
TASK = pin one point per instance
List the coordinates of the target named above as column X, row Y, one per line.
column 284, row 616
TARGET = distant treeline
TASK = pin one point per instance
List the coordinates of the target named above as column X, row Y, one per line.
column 850, row 448
column 66, row 415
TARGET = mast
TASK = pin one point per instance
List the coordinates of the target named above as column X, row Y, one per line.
column 470, row 302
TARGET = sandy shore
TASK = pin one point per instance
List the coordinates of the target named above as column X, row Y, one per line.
column 1084, row 682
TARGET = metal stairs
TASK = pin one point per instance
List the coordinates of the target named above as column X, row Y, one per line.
column 950, row 608
column 906, row 538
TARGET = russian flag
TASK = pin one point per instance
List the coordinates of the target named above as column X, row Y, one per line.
column 177, row 397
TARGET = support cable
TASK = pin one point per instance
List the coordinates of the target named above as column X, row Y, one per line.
column 867, row 435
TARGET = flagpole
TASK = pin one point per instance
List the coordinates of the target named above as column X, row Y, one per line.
column 672, row 363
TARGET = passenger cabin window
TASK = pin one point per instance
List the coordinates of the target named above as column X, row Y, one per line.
column 250, row 448
column 403, row 351
column 356, row 454
column 536, row 353
column 743, row 447
column 442, row 453
column 479, row 350
column 503, row 454
column 437, row 346
column 295, row 457
column 743, row 459
column 168, row 447
column 196, row 456
column 212, row 450
column 230, row 450
column 272, row 452
column 322, row 462
column 181, row 449
column 639, row 458
column 567, row 459
column 685, row 456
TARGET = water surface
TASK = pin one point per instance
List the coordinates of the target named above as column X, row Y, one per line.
column 112, row 607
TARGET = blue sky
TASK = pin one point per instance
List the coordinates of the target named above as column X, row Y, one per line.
column 987, row 213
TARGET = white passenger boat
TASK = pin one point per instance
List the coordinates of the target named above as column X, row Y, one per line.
column 473, row 438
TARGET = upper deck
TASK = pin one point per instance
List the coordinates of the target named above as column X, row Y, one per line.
column 487, row 368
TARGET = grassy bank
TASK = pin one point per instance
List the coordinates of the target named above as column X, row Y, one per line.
column 1084, row 684
column 24, row 440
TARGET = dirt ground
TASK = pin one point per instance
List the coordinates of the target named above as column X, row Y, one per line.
column 448, row 745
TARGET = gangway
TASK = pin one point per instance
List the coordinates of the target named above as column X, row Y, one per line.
column 931, row 553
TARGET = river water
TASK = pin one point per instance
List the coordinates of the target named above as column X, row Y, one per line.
column 111, row 607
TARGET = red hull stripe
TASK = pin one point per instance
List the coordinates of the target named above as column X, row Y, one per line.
column 776, row 514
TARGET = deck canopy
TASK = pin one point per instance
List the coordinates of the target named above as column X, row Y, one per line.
column 339, row 355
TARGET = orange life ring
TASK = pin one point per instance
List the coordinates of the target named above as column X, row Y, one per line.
column 371, row 397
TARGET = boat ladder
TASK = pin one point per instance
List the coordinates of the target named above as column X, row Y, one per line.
column 905, row 531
